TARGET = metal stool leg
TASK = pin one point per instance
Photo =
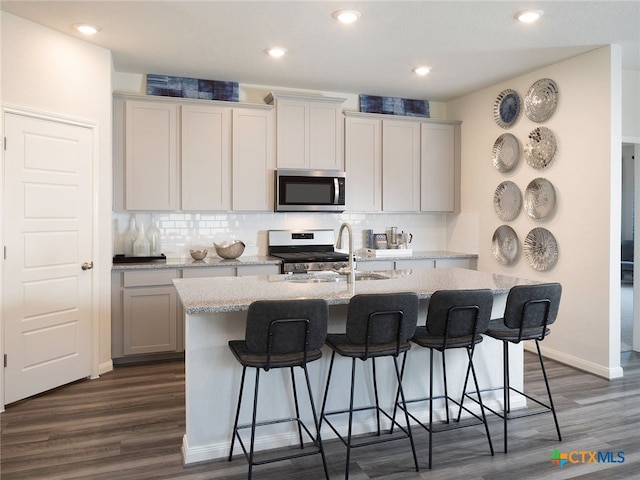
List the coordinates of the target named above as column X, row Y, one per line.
column 506, row 405
column 475, row 381
column 546, row 383
column 375, row 394
column 253, row 423
column 404, row 408
column 316, row 422
column 235, row 423
column 353, row 380
column 326, row 390
column 295, row 402
column 430, row 404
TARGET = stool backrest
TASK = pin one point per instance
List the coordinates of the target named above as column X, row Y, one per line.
column 279, row 327
column 459, row 313
column 532, row 306
column 377, row 319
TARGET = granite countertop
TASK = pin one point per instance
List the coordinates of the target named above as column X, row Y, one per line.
column 210, row 261
column 215, row 261
column 416, row 255
column 227, row 294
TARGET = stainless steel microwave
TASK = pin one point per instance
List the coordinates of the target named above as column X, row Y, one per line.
column 310, row 190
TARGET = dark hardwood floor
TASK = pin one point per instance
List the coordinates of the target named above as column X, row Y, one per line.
column 128, row 425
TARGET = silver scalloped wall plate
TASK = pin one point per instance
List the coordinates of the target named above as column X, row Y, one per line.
column 540, row 199
column 507, row 201
column 506, row 108
column 541, row 100
column 541, row 249
column 505, row 245
column 540, row 150
column 506, row 152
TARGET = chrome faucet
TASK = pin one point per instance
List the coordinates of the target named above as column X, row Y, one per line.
column 350, row 270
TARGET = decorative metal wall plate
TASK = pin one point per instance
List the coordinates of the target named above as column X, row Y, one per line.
column 540, row 198
column 507, row 201
column 541, row 249
column 506, row 109
column 505, row 245
column 506, row 152
column 541, row 148
column 541, row 100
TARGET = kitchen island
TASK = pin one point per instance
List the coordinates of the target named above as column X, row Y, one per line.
column 215, row 312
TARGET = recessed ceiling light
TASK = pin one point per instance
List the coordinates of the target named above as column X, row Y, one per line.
column 529, row 16
column 86, row 28
column 275, row 51
column 422, row 70
column 346, row 16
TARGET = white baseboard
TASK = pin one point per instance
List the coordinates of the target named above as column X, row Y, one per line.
column 105, row 367
column 203, row 453
column 579, row 363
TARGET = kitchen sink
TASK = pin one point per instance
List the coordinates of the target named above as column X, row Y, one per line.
column 326, row 277
column 371, row 276
column 307, row 279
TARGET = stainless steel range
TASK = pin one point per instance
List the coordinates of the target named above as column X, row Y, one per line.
column 305, row 251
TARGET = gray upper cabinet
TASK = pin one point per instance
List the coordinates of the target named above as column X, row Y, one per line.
column 151, row 156
column 253, row 162
column 192, row 155
column 206, row 157
column 363, row 164
column 439, row 184
column 309, row 131
column 402, row 164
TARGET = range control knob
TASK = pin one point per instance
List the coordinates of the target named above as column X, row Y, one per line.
column 321, row 266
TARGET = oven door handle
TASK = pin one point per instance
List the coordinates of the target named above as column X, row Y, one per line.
column 336, row 190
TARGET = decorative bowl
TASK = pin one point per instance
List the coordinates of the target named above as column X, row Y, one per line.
column 198, row 254
column 229, row 249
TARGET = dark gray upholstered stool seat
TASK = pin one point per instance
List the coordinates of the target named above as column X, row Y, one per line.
column 530, row 309
column 378, row 325
column 281, row 334
column 455, row 319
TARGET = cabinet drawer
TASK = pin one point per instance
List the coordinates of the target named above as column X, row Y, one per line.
column 404, row 264
column 454, row 263
column 375, row 266
column 203, row 272
column 258, row 270
column 146, row 278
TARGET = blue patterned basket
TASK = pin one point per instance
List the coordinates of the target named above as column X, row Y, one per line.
column 394, row 106
column 185, row 87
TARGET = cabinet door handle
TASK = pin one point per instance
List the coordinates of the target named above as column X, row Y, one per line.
column 87, row 266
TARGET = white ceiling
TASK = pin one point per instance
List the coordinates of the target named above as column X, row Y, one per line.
column 468, row 44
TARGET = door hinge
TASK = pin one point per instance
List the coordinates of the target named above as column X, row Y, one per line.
column 5, row 143
column 5, row 360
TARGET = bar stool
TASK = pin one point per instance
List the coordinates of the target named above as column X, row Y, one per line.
column 530, row 309
column 455, row 319
column 281, row 334
column 378, row 325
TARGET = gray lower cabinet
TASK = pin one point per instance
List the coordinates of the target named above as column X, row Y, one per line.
column 409, row 263
column 147, row 321
column 146, row 316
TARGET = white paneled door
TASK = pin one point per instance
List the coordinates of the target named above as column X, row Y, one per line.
column 48, row 279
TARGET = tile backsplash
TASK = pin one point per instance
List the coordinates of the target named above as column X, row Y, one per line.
column 181, row 232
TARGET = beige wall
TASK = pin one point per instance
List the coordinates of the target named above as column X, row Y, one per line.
column 47, row 72
column 586, row 175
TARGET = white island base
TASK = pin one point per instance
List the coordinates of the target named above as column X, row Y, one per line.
column 215, row 310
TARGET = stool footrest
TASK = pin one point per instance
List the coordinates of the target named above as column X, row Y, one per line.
column 388, row 433
column 443, row 425
column 313, row 441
